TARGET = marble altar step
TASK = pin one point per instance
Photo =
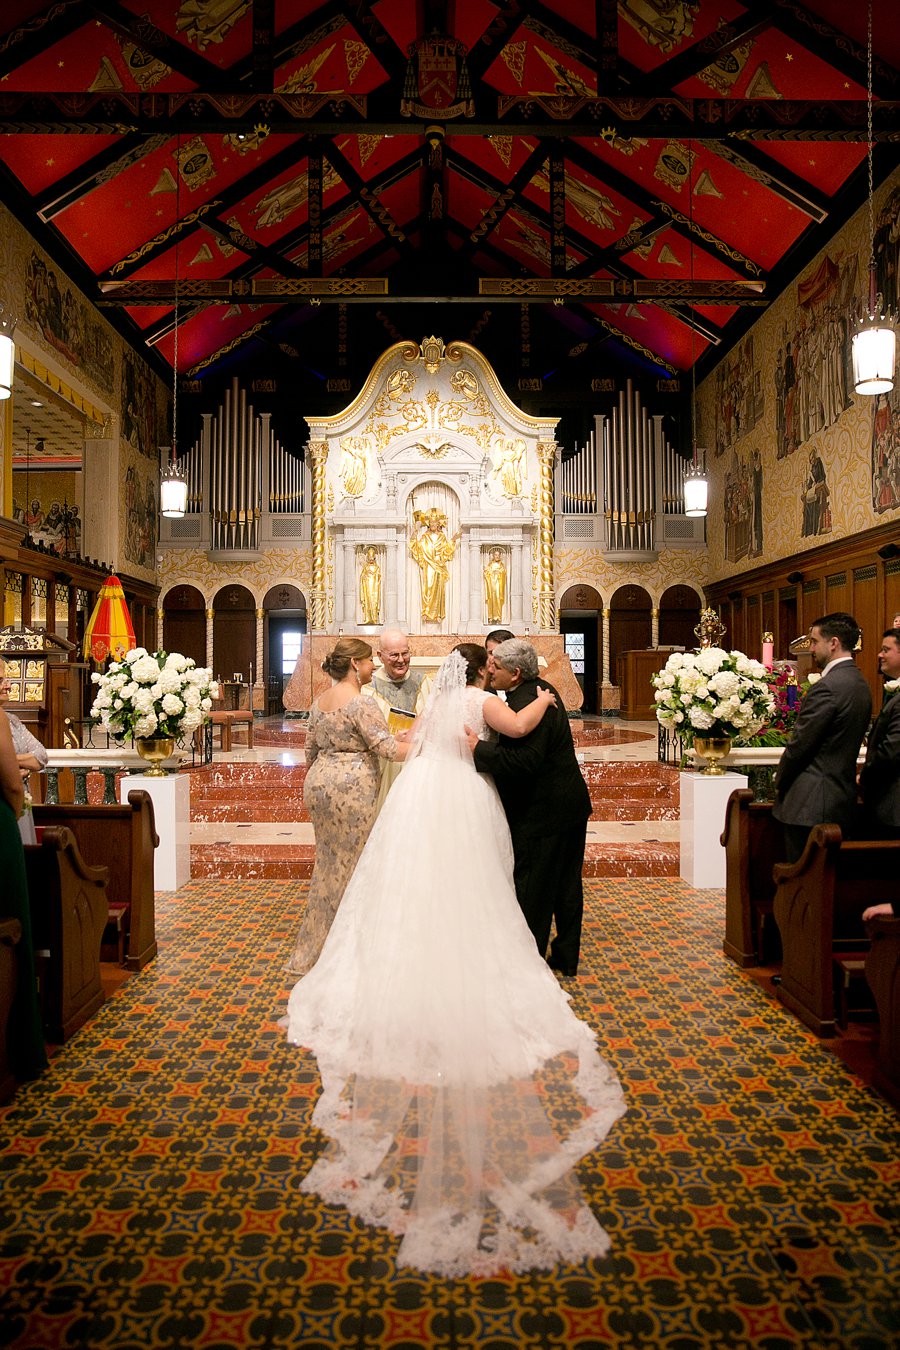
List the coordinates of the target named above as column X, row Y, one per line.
column 249, row 821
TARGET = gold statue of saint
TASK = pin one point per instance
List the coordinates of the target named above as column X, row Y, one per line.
column 495, row 586
column 432, row 550
column 370, row 588
column 509, row 467
column 353, row 465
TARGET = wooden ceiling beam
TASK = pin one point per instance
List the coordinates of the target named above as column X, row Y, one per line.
column 500, row 290
column 550, row 116
column 96, row 171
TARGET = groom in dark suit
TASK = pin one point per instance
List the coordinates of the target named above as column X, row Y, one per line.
column 547, row 805
column 816, row 779
column 879, row 781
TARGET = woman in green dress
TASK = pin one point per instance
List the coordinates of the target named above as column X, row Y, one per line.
column 24, row 1036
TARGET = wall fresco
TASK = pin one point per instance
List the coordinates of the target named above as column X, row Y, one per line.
column 829, row 458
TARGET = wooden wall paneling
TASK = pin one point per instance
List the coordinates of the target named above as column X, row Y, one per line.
column 837, row 592
column 866, row 609
column 891, row 589
column 787, row 625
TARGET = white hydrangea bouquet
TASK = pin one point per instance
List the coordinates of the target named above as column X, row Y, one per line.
column 152, row 694
column 713, row 693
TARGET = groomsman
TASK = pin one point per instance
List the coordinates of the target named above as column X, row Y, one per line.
column 879, row 781
column 816, row 779
column 547, row 805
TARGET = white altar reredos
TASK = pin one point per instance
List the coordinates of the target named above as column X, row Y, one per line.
column 432, row 501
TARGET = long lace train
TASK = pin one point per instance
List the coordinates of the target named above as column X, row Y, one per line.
column 458, row 1087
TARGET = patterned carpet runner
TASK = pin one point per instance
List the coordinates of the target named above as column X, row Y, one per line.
column 150, row 1178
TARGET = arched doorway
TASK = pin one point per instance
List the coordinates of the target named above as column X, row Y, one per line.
column 580, row 611
column 234, row 634
column 184, row 623
column 679, row 614
column 630, row 627
column 285, row 631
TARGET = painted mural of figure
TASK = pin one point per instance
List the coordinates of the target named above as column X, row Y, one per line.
column 370, row 588
column 756, row 481
column 790, row 397
column 816, row 515
column 495, row 586
column 432, row 550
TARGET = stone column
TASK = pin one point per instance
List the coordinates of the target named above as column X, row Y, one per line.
column 607, row 682
column 546, row 609
column 654, row 627
column 317, row 454
column 160, row 615
column 259, row 684
column 210, row 616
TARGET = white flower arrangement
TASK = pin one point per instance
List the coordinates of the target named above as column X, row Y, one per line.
column 713, row 693
column 891, row 687
column 150, row 694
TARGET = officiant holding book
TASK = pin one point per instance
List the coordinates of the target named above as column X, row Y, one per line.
column 400, row 693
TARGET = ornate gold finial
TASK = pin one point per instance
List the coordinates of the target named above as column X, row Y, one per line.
column 432, row 353
column 768, row 637
column 710, row 630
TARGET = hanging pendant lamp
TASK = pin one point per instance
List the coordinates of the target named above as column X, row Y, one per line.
column 873, row 339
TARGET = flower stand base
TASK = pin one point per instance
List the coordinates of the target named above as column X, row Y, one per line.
column 171, row 797
column 703, row 802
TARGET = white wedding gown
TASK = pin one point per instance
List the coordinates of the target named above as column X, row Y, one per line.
column 458, row 1087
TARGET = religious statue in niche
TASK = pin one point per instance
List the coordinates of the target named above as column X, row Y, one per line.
column 495, row 586
column 370, row 588
column 509, row 466
column 815, row 498
column 353, row 465
column 886, row 451
column 742, row 507
column 432, row 551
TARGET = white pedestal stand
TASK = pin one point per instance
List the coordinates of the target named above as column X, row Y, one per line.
column 703, row 801
column 171, row 797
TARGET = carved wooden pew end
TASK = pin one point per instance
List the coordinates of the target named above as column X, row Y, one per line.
column 67, row 901
column 10, row 936
column 819, row 902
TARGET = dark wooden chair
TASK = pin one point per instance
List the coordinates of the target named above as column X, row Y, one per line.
column 121, row 838
column 883, row 975
column 819, row 902
column 753, row 844
column 10, row 936
column 68, row 906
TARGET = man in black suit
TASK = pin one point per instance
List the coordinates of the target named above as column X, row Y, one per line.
column 879, row 781
column 816, row 779
column 547, row 805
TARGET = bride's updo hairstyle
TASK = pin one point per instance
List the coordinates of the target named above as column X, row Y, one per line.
column 345, row 650
column 475, row 658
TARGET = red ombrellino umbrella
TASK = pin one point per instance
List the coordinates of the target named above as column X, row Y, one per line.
column 110, row 631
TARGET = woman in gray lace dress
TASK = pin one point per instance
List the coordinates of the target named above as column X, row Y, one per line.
column 346, row 736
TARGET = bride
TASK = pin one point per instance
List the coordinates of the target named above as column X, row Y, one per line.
column 458, row 1087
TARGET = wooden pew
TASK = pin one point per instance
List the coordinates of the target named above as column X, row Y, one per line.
column 123, row 839
column 10, row 935
column 883, row 975
column 67, row 901
column 753, row 844
column 819, row 902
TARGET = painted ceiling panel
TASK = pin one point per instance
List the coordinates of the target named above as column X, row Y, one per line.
column 367, row 82
column 649, row 34
column 40, row 161
column 221, row 32
column 108, row 61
